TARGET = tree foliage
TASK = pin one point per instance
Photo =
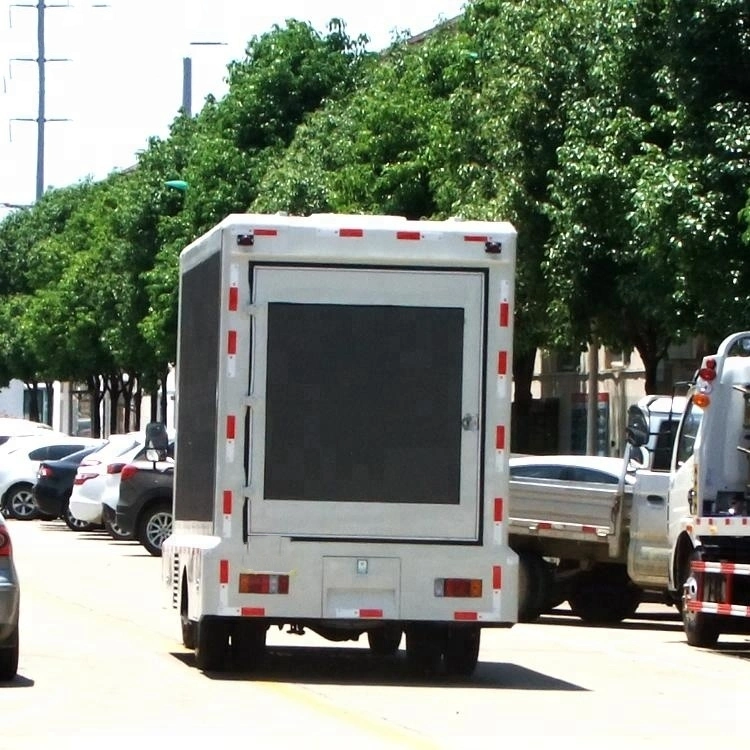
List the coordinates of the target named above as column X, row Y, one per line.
column 613, row 133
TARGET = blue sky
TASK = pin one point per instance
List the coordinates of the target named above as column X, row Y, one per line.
column 123, row 81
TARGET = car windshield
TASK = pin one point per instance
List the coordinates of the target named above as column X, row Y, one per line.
column 117, row 445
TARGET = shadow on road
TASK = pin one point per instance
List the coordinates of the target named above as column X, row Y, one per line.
column 19, row 681
column 353, row 666
column 661, row 621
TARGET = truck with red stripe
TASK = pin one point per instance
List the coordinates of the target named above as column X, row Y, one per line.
column 343, row 414
column 710, row 475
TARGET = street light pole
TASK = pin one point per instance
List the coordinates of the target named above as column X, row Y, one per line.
column 187, row 77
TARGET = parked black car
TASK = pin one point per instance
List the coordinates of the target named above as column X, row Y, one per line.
column 144, row 507
column 54, row 483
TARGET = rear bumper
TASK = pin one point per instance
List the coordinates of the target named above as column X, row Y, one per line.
column 49, row 503
column 86, row 510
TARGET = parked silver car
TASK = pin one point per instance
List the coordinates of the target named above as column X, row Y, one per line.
column 9, row 606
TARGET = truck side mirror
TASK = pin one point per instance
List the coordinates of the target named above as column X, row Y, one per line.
column 636, row 436
column 157, row 441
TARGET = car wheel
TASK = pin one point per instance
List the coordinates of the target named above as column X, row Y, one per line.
column 20, row 502
column 116, row 532
column 155, row 526
column 75, row 524
column 9, row 657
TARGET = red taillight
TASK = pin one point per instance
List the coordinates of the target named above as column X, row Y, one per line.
column 44, row 472
column 468, row 588
column 263, row 583
column 6, row 548
column 115, row 468
column 81, row 478
column 128, row 471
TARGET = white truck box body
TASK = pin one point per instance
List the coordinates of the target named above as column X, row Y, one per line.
column 343, row 407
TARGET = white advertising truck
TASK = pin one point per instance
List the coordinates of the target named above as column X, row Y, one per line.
column 343, row 418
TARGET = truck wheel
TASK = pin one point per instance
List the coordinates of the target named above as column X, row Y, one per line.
column 9, row 657
column 604, row 596
column 189, row 627
column 532, row 593
column 20, row 503
column 248, row 644
column 424, row 649
column 155, row 526
column 461, row 650
column 384, row 641
column 701, row 629
column 211, row 645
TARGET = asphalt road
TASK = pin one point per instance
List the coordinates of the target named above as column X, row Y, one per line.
column 102, row 665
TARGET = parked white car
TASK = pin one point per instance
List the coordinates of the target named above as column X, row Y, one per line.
column 14, row 427
column 19, row 462
column 97, row 482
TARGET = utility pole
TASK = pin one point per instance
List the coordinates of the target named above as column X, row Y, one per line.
column 41, row 60
column 187, row 77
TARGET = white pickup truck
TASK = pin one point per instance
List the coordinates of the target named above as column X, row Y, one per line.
column 585, row 541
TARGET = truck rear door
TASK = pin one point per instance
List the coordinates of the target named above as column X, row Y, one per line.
column 366, row 409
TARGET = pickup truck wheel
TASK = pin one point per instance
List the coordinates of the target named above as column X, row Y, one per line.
column 20, row 503
column 532, row 586
column 424, row 649
column 211, row 646
column 461, row 650
column 155, row 526
column 604, row 596
column 9, row 656
column 384, row 641
column 248, row 645
column 75, row 524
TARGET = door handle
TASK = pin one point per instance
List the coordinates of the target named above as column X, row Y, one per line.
column 655, row 499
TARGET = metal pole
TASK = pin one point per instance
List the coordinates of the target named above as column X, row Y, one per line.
column 41, row 115
column 592, row 411
column 187, row 86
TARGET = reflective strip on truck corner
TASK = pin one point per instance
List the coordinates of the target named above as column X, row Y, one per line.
column 231, row 435
column 227, row 504
column 500, row 449
column 497, row 520
column 231, row 353
column 494, row 614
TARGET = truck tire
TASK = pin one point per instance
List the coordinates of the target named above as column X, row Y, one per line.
column 189, row 627
column 211, row 645
column 154, row 526
column 461, row 650
column 248, row 645
column 701, row 629
column 384, row 641
column 20, row 503
column 604, row 596
column 533, row 584
column 424, row 649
